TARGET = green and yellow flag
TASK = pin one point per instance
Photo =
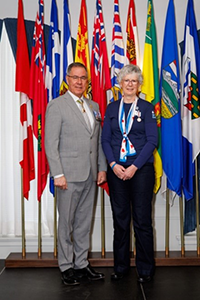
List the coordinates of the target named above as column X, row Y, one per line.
column 82, row 46
column 150, row 85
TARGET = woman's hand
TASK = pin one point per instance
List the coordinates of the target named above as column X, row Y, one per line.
column 129, row 172
column 118, row 170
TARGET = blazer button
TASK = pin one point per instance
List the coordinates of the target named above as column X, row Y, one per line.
column 90, row 152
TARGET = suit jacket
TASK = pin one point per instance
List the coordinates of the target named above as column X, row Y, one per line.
column 70, row 148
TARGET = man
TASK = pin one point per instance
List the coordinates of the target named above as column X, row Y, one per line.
column 77, row 163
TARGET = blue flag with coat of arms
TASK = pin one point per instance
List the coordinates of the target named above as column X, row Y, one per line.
column 171, row 135
column 190, row 100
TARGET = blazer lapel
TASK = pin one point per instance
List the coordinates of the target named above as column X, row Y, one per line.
column 74, row 107
column 90, row 104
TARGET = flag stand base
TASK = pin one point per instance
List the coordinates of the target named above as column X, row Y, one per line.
column 16, row 260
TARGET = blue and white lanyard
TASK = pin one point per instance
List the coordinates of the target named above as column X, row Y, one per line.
column 127, row 148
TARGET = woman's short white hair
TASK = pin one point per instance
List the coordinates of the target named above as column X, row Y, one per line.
column 130, row 69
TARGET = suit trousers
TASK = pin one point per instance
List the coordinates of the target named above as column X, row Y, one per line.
column 133, row 198
column 75, row 207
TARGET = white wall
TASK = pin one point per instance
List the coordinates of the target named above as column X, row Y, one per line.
column 9, row 9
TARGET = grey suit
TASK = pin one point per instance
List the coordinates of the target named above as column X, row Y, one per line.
column 75, row 152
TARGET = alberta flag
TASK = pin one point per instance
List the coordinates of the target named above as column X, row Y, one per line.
column 170, row 106
column 190, row 100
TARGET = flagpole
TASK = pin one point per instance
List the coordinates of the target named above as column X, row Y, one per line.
column 55, row 222
column 167, row 225
column 102, row 225
column 181, row 226
column 39, row 229
column 134, row 247
column 132, row 239
column 197, row 205
column 23, row 218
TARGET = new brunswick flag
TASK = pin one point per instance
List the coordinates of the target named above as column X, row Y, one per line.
column 150, row 85
column 82, row 47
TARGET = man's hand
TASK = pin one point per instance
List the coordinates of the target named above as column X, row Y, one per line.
column 101, row 177
column 61, row 182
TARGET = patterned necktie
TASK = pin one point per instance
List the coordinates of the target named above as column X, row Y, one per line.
column 85, row 115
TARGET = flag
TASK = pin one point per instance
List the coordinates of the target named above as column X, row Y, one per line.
column 53, row 63
column 190, row 100
column 38, row 94
column 132, row 43
column 150, row 85
column 170, row 106
column 53, row 56
column 66, row 48
column 100, row 74
column 22, row 86
column 82, row 46
column 117, row 53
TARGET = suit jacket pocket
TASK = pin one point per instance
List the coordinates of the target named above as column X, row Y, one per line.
column 68, row 154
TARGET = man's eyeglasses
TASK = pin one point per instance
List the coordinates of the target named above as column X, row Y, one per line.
column 128, row 81
column 76, row 78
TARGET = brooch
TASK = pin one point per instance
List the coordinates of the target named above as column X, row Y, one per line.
column 97, row 115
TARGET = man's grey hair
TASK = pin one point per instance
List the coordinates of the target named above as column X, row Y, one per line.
column 76, row 65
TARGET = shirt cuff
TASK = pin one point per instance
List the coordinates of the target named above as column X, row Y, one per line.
column 58, row 176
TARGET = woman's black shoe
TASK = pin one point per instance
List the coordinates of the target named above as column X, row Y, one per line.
column 143, row 279
column 117, row 276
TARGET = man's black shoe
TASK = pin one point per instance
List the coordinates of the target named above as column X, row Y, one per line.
column 69, row 278
column 117, row 276
column 143, row 279
column 89, row 272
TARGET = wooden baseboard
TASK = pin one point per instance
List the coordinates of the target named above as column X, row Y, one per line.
column 31, row 260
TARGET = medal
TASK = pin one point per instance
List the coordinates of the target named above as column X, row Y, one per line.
column 139, row 117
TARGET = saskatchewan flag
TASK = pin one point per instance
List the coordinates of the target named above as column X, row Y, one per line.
column 150, row 87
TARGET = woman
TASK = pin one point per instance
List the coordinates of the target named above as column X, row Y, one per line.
column 129, row 138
